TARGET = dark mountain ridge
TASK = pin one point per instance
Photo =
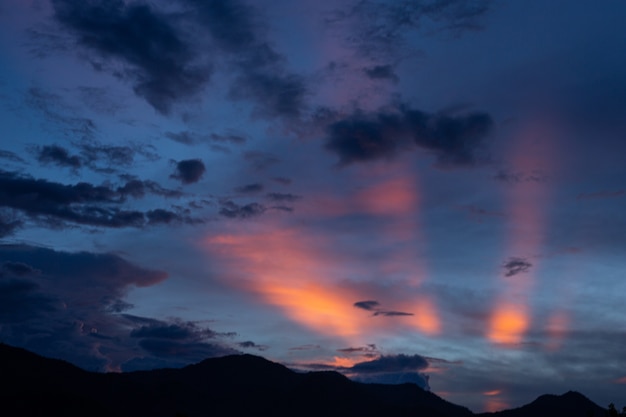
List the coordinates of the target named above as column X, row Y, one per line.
column 237, row 385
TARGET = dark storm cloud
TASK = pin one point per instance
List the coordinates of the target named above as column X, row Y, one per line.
column 283, row 197
column 57, row 155
column 157, row 60
column 10, row 156
column 55, row 303
column 232, row 210
column 189, row 171
column 454, row 139
column 516, row 266
column 250, row 188
column 82, row 203
column 381, row 72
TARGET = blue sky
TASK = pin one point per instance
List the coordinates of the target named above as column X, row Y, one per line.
column 435, row 187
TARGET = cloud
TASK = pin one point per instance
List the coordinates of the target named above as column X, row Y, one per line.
column 172, row 331
column 374, row 306
column 454, row 139
column 283, row 197
column 155, row 58
column 516, row 266
column 57, row 155
column 191, row 138
column 379, row 29
column 261, row 76
column 369, row 305
column 233, row 210
column 365, row 350
column 251, row 345
column 55, row 303
column 381, row 72
column 189, row 171
column 392, row 369
column 55, row 204
column 8, row 224
column 10, row 156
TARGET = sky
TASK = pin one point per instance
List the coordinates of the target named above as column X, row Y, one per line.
column 427, row 191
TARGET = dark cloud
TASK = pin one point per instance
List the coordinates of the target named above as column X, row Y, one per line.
column 386, row 313
column 286, row 209
column 392, row 363
column 364, row 350
column 82, row 203
column 21, row 300
column 276, row 95
column 392, row 369
column 251, row 345
column 172, row 331
column 157, row 60
column 369, row 305
column 516, row 266
column 64, row 304
column 161, row 216
column 189, row 171
column 453, row 139
column 261, row 76
column 138, row 188
column 18, row 269
column 191, row 138
column 250, row 188
column 374, row 306
column 283, row 197
column 56, row 111
column 379, row 28
column 57, row 155
column 10, row 156
column 381, row 72
column 8, row 224
column 233, row 210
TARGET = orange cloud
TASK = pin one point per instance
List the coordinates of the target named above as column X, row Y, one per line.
column 508, row 324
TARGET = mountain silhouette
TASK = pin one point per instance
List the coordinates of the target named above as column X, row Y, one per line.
column 236, row 385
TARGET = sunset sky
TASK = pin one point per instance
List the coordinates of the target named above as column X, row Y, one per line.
column 437, row 186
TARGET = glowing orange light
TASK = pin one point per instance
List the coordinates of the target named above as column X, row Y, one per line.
column 492, row 393
column 508, row 325
column 493, row 405
column 425, row 316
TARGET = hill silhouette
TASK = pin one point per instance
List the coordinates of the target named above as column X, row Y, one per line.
column 236, row 385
